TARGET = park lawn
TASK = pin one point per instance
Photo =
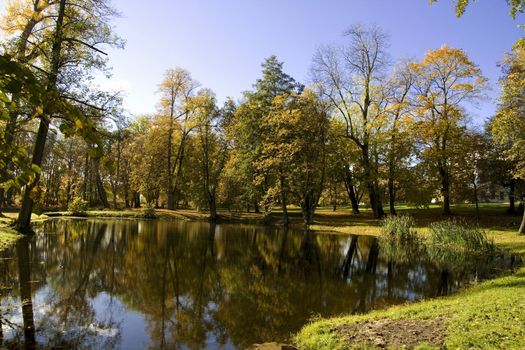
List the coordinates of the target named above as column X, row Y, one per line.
column 488, row 315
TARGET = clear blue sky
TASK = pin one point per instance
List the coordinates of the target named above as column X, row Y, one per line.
column 222, row 43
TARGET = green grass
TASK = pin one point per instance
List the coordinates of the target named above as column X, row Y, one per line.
column 7, row 235
column 489, row 315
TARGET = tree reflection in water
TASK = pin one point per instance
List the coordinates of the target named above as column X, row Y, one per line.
column 169, row 285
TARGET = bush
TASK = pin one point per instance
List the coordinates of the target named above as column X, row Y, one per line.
column 149, row 211
column 78, row 206
column 459, row 235
column 398, row 229
column 399, row 240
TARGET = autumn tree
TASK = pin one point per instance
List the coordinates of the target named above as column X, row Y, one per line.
column 399, row 139
column 508, row 126
column 351, row 79
column 22, row 25
column 299, row 162
column 444, row 80
column 209, row 147
column 176, row 89
column 69, row 46
column 18, row 85
column 247, row 127
column 343, row 163
column 147, row 158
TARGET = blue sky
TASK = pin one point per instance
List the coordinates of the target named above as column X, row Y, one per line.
column 222, row 43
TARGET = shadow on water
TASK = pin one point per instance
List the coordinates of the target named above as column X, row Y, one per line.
column 104, row 284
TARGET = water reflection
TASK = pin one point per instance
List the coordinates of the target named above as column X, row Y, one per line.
column 167, row 285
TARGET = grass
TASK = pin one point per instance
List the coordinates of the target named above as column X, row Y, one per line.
column 7, row 236
column 488, row 315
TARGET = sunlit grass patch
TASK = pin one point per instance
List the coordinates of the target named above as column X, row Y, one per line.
column 7, row 236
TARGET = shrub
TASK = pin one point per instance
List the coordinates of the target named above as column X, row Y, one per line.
column 399, row 240
column 459, row 235
column 149, row 211
column 78, row 206
column 398, row 229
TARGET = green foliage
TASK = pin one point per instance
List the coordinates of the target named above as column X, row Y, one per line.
column 78, row 206
column 16, row 79
column 148, row 211
column 508, row 125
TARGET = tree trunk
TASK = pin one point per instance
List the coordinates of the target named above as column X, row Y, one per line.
column 445, row 189
column 476, row 198
column 283, row 201
column 86, row 195
column 391, row 196
column 68, row 192
column 213, row 208
column 2, row 199
column 100, row 186
column 512, row 197
column 24, row 216
column 115, row 200
column 375, row 202
column 308, row 208
column 373, row 193
column 350, row 189
column 136, row 199
column 522, row 226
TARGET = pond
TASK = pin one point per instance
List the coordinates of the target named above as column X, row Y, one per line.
column 133, row 284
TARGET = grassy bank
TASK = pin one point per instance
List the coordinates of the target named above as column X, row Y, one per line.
column 488, row 315
column 7, row 236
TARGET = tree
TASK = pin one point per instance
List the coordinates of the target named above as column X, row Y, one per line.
column 71, row 42
column 210, row 155
column 16, row 83
column 147, row 158
column 176, row 89
column 295, row 161
column 508, row 125
column 399, row 138
column 516, row 6
column 444, row 79
column 247, row 127
column 351, row 79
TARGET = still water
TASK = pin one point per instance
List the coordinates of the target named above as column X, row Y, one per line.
column 132, row 284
